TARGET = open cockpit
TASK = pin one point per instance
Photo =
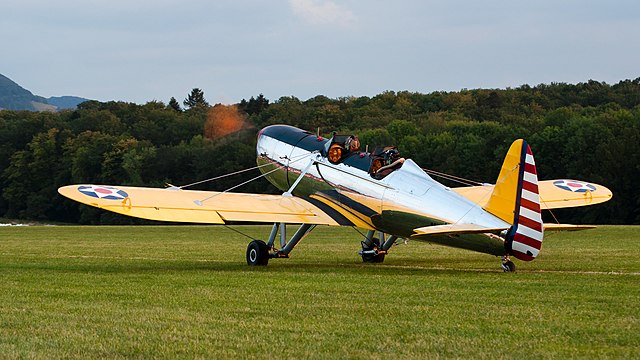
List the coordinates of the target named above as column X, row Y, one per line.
column 346, row 149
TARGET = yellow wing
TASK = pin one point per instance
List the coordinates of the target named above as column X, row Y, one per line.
column 554, row 194
column 173, row 204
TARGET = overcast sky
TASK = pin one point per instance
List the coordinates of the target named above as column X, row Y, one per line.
column 142, row 50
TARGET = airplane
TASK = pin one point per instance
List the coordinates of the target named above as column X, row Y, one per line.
column 333, row 182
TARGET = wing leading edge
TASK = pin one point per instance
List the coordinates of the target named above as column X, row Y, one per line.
column 193, row 206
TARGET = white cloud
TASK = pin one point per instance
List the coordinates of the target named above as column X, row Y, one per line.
column 322, row 12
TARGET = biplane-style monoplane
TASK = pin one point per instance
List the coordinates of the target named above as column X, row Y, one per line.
column 333, row 182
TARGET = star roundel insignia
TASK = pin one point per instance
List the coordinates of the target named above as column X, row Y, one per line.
column 103, row 192
column 574, row 185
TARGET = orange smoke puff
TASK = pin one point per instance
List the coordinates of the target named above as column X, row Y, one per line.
column 223, row 120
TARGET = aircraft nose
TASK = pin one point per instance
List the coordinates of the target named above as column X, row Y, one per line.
column 260, row 148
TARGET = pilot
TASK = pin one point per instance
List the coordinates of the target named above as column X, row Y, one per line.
column 335, row 153
column 391, row 161
column 352, row 144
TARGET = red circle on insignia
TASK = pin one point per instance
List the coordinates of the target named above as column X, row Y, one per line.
column 102, row 190
column 574, row 185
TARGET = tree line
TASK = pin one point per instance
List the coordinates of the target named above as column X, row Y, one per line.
column 588, row 131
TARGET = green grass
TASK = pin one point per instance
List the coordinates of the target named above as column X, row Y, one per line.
column 186, row 291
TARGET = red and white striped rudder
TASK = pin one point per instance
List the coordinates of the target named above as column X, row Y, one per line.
column 524, row 239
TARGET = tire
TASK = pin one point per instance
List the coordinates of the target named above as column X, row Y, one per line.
column 257, row 253
column 509, row 266
column 373, row 258
column 369, row 258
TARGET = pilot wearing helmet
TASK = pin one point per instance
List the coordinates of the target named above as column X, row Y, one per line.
column 386, row 163
column 342, row 145
column 352, row 144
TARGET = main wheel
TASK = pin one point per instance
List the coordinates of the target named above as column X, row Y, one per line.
column 378, row 258
column 372, row 258
column 257, row 253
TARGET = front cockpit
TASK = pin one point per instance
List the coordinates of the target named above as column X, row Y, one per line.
column 341, row 146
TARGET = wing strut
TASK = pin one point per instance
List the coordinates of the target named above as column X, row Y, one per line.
column 300, row 177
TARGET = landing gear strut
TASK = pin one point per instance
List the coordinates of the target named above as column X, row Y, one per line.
column 259, row 252
column 374, row 249
column 507, row 264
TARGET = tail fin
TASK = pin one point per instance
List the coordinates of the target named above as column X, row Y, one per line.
column 516, row 200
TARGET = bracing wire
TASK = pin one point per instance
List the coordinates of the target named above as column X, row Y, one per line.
column 238, row 185
column 236, row 173
column 358, row 231
column 252, row 179
column 453, row 178
column 239, row 232
column 222, row 176
column 499, row 181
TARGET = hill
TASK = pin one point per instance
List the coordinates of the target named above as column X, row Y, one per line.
column 15, row 97
column 65, row 102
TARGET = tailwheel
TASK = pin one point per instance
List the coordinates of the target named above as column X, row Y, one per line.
column 257, row 253
column 508, row 265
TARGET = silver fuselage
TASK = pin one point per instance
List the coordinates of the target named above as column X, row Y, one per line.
column 406, row 199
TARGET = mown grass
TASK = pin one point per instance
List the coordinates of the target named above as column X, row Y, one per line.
column 185, row 291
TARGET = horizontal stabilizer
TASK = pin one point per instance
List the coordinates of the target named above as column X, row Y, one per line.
column 567, row 227
column 451, row 229
column 554, row 194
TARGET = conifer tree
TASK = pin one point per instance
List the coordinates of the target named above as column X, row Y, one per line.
column 174, row 104
column 196, row 99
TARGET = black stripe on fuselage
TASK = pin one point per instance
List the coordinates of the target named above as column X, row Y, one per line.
column 331, row 212
column 335, row 196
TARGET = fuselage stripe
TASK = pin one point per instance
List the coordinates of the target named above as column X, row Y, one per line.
column 331, row 212
column 335, row 196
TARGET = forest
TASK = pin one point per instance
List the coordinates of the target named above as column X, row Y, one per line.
column 588, row 131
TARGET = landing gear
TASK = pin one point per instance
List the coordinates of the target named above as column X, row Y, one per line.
column 374, row 249
column 257, row 253
column 370, row 252
column 508, row 265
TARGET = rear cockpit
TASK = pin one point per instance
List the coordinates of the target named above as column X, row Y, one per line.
column 384, row 161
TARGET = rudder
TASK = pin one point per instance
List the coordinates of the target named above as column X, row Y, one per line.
column 516, row 200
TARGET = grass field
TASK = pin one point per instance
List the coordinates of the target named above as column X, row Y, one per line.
column 186, row 291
